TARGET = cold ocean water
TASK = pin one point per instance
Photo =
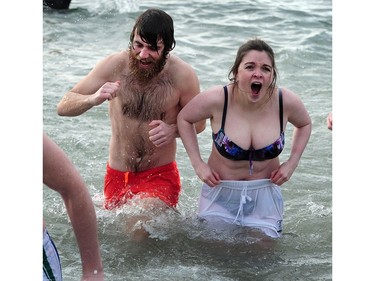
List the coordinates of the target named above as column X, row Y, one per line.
column 208, row 34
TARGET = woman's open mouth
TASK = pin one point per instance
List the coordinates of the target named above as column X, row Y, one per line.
column 256, row 87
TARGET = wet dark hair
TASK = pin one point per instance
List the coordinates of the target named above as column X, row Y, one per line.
column 257, row 45
column 152, row 25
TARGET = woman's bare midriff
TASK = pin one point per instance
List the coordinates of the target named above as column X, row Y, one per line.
column 240, row 170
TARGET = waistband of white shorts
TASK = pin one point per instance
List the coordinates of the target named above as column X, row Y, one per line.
column 251, row 184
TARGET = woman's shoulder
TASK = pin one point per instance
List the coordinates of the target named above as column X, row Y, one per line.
column 216, row 91
column 289, row 97
column 214, row 95
column 292, row 102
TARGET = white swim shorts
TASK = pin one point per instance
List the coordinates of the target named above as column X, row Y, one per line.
column 257, row 204
column 51, row 259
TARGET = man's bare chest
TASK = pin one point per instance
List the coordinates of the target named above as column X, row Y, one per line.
column 147, row 102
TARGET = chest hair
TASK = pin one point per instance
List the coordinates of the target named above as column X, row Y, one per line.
column 145, row 102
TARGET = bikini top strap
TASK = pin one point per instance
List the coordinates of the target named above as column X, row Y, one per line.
column 281, row 110
column 225, row 107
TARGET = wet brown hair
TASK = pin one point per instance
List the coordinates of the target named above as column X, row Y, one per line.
column 256, row 45
column 152, row 25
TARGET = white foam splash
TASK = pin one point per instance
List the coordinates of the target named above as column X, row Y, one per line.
column 120, row 6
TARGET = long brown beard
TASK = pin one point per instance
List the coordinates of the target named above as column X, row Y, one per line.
column 144, row 75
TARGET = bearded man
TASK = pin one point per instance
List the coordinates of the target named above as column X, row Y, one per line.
column 146, row 87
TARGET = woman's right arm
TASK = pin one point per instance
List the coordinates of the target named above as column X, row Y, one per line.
column 199, row 108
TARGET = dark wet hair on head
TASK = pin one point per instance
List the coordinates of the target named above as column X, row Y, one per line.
column 152, row 25
column 256, row 45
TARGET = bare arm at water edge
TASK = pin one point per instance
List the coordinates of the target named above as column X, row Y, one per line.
column 99, row 85
column 298, row 116
column 329, row 120
column 200, row 108
column 60, row 175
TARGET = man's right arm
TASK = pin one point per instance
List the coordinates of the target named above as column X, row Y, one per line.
column 74, row 104
column 92, row 90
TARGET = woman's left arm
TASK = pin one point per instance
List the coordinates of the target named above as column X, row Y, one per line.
column 297, row 115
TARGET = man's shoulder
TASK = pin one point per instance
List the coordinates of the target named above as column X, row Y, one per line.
column 176, row 61
column 118, row 57
column 179, row 67
column 183, row 74
column 115, row 62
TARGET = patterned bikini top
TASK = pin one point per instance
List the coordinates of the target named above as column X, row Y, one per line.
column 232, row 151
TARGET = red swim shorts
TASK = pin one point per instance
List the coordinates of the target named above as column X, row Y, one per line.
column 162, row 182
